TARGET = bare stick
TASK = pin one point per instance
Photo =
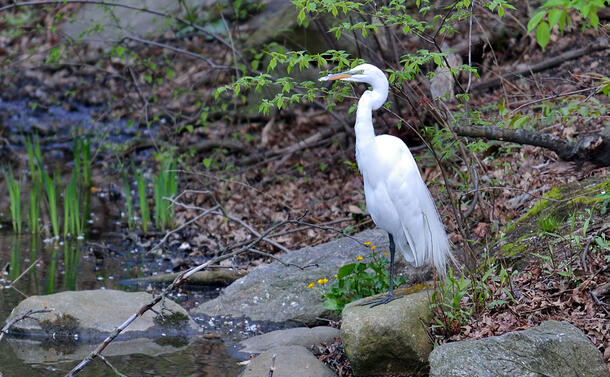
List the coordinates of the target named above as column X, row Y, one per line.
column 115, row 370
column 24, row 272
column 205, row 212
column 272, row 368
column 27, row 314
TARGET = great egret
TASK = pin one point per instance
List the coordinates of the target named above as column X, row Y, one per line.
column 396, row 196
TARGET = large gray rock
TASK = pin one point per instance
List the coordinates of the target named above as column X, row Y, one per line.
column 389, row 338
column 91, row 315
column 551, row 349
column 299, row 336
column 117, row 22
column 290, row 361
column 279, row 293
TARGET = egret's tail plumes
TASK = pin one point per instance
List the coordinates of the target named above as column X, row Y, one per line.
column 438, row 250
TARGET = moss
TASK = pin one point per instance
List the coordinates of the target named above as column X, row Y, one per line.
column 175, row 320
column 513, row 248
column 61, row 327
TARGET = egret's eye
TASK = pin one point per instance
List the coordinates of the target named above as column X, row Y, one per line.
column 357, row 72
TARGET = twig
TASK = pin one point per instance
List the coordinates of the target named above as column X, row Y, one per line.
column 593, row 91
column 205, row 212
column 27, row 314
column 177, row 282
column 24, row 272
column 115, row 370
column 287, row 264
column 583, row 255
column 272, row 367
column 178, row 50
column 550, row 63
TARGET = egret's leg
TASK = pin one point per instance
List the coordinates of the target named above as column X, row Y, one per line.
column 390, row 296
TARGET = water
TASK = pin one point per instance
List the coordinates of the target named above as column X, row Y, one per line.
column 82, row 269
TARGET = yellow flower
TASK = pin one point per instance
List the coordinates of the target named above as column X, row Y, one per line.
column 367, row 243
column 336, row 275
column 322, row 281
column 311, row 285
column 373, row 247
column 386, row 252
column 359, row 258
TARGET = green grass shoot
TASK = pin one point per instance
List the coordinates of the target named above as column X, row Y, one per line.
column 128, row 201
column 144, row 209
column 14, row 192
column 166, row 185
column 50, row 185
column 73, row 225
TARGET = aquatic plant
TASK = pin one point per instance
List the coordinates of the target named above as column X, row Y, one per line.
column 73, row 224
column 144, row 209
column 50, row 185
column 128, row 201
column 14, row 192
column 166, row 186
column 35, row 193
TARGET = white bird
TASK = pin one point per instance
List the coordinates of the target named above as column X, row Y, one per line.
column 396, row 196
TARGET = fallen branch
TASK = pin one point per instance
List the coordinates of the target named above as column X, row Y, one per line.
column 544, row 65
column 217, row 277
column 593, row 148
column 27, row 314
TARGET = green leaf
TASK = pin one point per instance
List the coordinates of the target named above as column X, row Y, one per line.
column 346, row 270
column 554, row 16
column 543, row 34
column 535, row 20
column 593, row 17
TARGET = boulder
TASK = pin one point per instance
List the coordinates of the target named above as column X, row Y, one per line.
column 389, row 338
column 278, row 293
column 91, row 315
column 298, row 336
column 552, row 349
column 290, row 361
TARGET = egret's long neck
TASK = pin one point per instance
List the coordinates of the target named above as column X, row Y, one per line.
column 370, row 100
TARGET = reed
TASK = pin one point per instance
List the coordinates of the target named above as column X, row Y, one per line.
column 144, row 209
column 50, row 185
column 34, row 154
column 166, row 185
column 128, row 201
column 14, row 192
column 73, row 224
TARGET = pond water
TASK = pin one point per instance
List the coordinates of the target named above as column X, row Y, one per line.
column 101, row 261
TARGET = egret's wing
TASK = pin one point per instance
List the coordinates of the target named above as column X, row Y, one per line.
column 420, row 222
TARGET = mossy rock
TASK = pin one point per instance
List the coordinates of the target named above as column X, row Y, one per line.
column 553, row 214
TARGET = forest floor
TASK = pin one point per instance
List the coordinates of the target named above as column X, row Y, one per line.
column 252, row 167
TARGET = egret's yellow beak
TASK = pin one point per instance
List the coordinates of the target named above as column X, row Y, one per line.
column 336, row 76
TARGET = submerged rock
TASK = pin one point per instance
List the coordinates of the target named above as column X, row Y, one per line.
column 91, row 315
column 279, row 293
column 389, row 338
column 299, row 336
column 290, row 361
column 552, row 349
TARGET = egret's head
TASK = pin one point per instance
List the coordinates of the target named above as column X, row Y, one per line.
column 367, row 73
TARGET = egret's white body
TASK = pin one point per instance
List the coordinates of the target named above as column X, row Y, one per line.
column 396, row 196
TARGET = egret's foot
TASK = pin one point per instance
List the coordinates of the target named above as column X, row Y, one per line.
column 381, row 301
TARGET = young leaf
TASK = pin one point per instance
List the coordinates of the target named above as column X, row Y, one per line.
column 535, row 20
column 543, row 34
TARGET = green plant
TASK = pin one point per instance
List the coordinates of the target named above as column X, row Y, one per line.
column 35, row 194
column 358, row 280
column 450, row 304
column 549, row 224
column 73, row 224
column 560, row 12
column 50, row 185
column 144, row 209
column 128, row 201
column 14, row 192
column 166, row 186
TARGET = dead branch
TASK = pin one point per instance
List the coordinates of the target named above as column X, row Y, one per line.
column 272, row 367
column 602, row 44
column 593, row 148
column 24, row 272
column 27, row 314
